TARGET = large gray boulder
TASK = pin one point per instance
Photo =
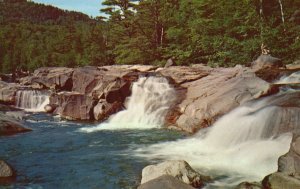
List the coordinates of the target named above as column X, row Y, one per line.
column 179, row 169
column 266, row 62
column 216, row 94
column 165, row 182
column 10, row 126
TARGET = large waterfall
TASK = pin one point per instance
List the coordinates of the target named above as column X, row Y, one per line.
column 32, row 100
column 146, row 108
column 243, row 145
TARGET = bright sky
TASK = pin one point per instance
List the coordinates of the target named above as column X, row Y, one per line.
column 89, row 7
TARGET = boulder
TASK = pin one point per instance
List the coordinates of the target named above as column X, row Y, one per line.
column 59, row 78
column 179, row 169
column 50, row 108
column 266, row 62
column 169, row 63
column 104, row 109
column 214, row 95
column 267, row 67
column 10, row 126
column 165, row 182
column 7, row 174
column 280, row 181
column 73, row 106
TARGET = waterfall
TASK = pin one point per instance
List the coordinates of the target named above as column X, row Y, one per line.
column 146, row 107
column 294, row 78
column 32, row 100
column 243, row 145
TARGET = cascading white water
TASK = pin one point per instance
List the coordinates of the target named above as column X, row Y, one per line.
column 146, row 108
column 32, row 100
column 238, row 147
column 291, row 79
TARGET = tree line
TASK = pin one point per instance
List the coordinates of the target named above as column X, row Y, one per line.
column 213, row 32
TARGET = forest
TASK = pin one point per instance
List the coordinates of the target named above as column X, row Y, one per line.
column 214, row 32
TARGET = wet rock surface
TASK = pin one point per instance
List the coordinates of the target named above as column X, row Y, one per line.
column 165, row 182
column 179, row 169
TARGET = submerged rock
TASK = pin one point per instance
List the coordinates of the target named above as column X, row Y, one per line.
column 179, row 169
column 10, row 126
column 249, row 185
column 165, row 182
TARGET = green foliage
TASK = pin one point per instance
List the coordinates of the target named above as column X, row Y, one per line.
column 220, row 33
column 214, row 32
column 34, row 35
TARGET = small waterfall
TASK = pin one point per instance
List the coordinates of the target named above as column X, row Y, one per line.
column 32, row 100
column 146, row 108
column 243, row 145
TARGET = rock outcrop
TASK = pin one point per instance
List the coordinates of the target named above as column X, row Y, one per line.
column 10, row 126
column 212, row 96
column 58, row 78
column 73, row 106
column 180, row 169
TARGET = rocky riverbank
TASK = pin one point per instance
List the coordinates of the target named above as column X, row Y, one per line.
column 204, row 94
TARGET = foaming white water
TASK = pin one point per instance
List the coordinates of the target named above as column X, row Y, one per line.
column 238, row 145
column 146, row 108
column 32, row 100
column 293, row 78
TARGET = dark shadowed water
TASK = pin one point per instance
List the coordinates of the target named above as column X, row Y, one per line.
column 57, row 155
